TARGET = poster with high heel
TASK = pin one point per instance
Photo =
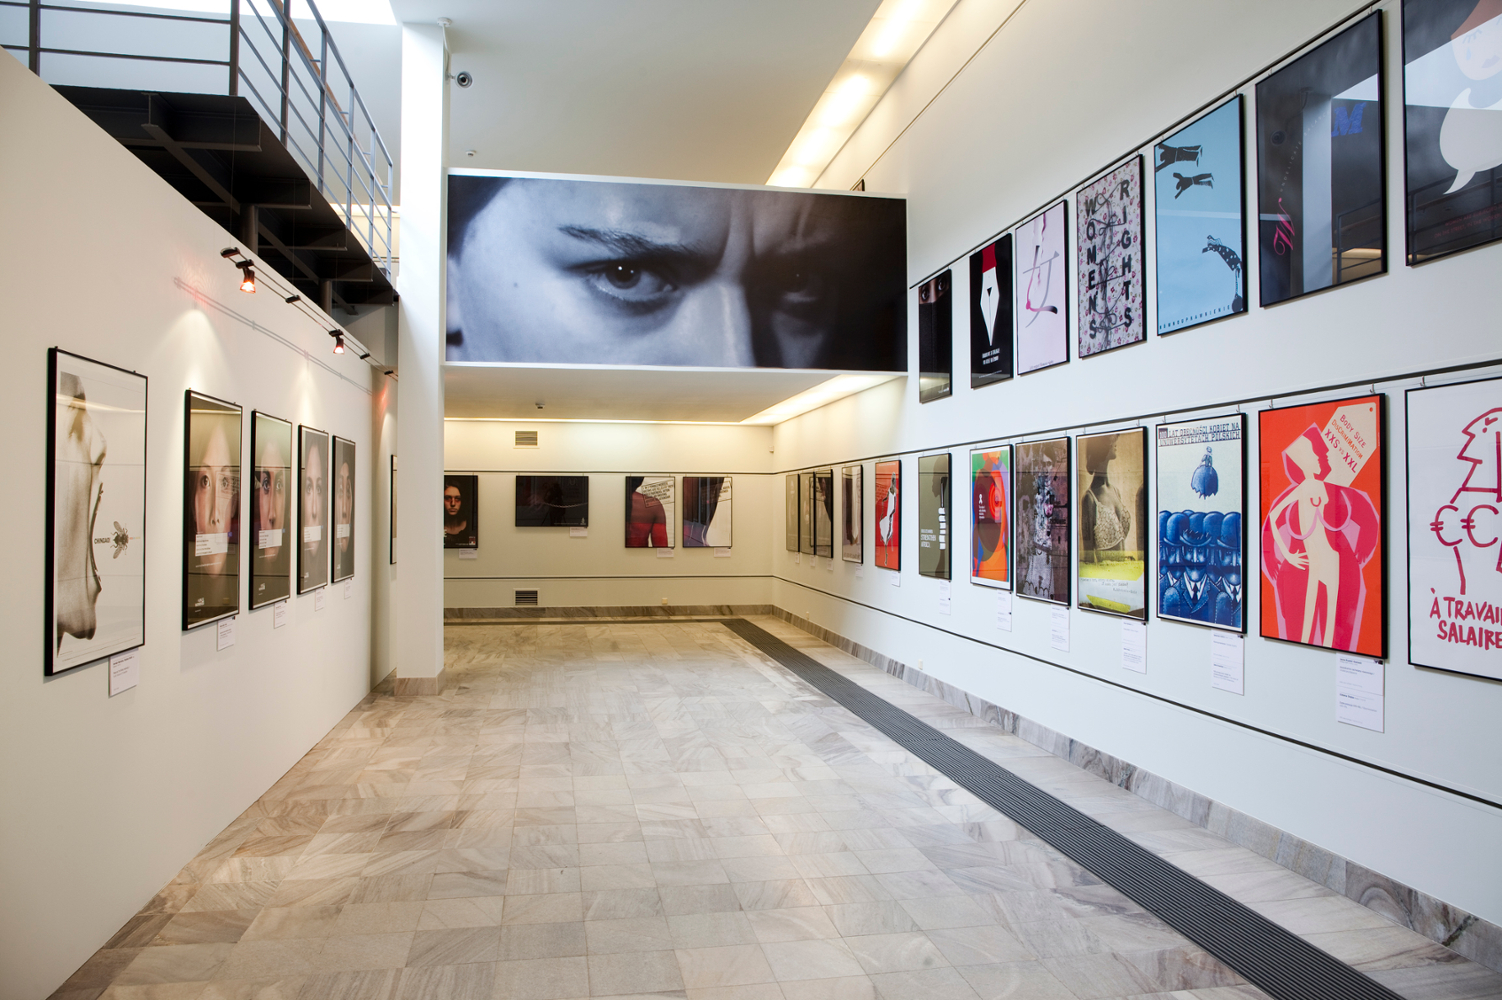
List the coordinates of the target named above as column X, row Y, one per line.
column 1323, row 565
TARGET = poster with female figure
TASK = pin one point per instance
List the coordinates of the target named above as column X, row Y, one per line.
column 649, row 512
column 211, row 510
column 344, row 509
column 889, row 514
column 1043, row 521
column 852, row 538
column 1042, row 291
column 96, row 511
column 1323, row 567
column 270, row 509
column 1201, row 483
column 1112, row 474
column 991, row 517
column 707, row 512
column 312, row 509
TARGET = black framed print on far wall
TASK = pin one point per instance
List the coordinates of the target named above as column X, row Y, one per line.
column 312, row 509
column 96, row 511
column 461, row 506
column 852, row 498
column 991, row 313
column 211, row 510
column 271, row 486
column 344, row 509
column 935, row 337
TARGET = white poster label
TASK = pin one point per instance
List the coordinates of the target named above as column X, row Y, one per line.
column 1227, row 659
column 468, row 553
column 279, row 614
column 270, row 538
column 1359, row 692
column 1058, row 628
column 797, row 558
column 665, row 553
column 349, row 589
column 894, row 577
column 211, row 545
column 944, row 597
column 578, row 531
column 318, row 596
column 312, row 533
column 721, row 552
column 226, row 632
column 341, row 531
column 860, row 572
column 1004, row 610
column 1134, row 647
column 125, row 671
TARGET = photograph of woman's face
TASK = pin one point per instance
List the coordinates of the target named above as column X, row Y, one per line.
column 216, row 500
column 344, row 506
column 312, row 499
column 270, row 497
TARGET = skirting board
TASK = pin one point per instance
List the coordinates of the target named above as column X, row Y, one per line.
column 1465, row 933
column 643, row 611
column 409, row 686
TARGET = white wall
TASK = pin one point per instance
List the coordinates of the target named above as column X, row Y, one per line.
column 107, row 798
column 598, row 570
column 1040, row 109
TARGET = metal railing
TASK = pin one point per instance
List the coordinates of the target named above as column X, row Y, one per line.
column 304, row 92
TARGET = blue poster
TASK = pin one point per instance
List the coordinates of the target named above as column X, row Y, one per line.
column 1199, row 205
column 1201, row 507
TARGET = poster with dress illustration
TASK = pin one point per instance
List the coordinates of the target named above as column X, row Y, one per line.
column 889, row 514
column 790, row 511
column 1323, row 567
column 934, row 530
column 1319, row 167
column 1043, row 522
column 1452, row 118
column 823, row 516
column 211, row 510
column 1042, row 292
column 96, row 511
column 1108, row 243
column 1198, row 196
column 991, row 313
column 935, row 337
column 852, row 536
column 991, row 517
column 1112, row 486
column 1201, row 486
column 1454, row 521
column 271, row 487
column 313, row 508
column 707, row 508
column 650, row 503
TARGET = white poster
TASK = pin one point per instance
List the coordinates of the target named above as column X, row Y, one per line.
column 1454, row 526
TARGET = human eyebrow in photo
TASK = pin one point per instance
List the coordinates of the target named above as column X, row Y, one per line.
column 625, row 245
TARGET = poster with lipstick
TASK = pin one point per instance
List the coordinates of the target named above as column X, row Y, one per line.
column 991, row 313
column 271, row 488
column 211, row 510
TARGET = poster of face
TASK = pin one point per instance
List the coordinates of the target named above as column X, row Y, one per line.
column 1112, row 485
column 550, row 501
column 461, row 505
column 889, row 514
column 991, row 313
column 1198, row 198
column 211, row 510
column 852, row 537
column 1322, row 470
column 790, row 510
column 649, row 512
column 1109, row 246
column 393, row 510
column 96, row 511
column 806, row 512
column 706, row 512
column 1042, row 292
column 1043, row 539
column 1319, row 167
column 824, row 513
column 935, row 338
column 312, row 509
column 1454, row 520
column 1452, row 115
column 643, row 273
column 991, row 517
column 271, row 485
column 1201, row 521
column 933, row 516
column 344, row 509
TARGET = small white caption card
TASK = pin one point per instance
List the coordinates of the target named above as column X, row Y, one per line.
column 211, row 545
column 227, row 632
column 1058, row 628
column 894, row 577
column 722, row 552
column 1004, row 610
column 797, row 558
column 279, row 614
column 1359, row 692
column 125, row 671
column 312, row 533
column 1134, row 647
column 318, row 596
column 349, row 589
column 860, row 571
column 469, row 553
column 665, row 553
column 578, row 532
column 944, row 597
column 1227, row 658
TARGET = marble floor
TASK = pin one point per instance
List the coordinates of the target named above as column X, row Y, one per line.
column 657, row 810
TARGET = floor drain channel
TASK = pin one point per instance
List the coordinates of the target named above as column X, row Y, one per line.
column 1279, row 963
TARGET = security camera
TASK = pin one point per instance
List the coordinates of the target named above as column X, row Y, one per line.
column 465, row 78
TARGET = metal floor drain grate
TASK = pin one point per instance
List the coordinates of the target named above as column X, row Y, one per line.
column 1280, row 963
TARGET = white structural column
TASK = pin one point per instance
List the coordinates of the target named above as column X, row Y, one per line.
column 417, row 599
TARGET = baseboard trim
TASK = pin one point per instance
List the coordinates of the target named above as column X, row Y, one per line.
column 637, row 611
column 413, row 686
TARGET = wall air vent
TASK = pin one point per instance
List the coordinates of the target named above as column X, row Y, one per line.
column 526, row 598
column 526, row 439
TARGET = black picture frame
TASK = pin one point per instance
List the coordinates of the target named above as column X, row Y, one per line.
column 313, row 461
column 790, row 511
column 936, row 337
column 1105, row 222
column 852, row 511
column 1106, row 514
column 651, row 507
column 806, row 513
column 212, row 429
column 991, row 342
column 823, row 513
column 935, row 523
column 273, row 481
column 393, row 511
column 1044, row 501
column 1222, row 581
column 344, row 475
column 461, row 521
column 708, row 512
column 552, row 501
column 1044, row 271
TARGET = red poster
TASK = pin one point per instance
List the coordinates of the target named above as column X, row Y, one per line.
column 889, row 514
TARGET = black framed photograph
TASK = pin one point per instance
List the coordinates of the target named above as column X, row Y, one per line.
column 344, row 509
column 96, row 511
column 790, row 511
column 823, row 515
column 312, row 509
column 461, row 505
column 933, row 516
column 270, row 509
column 211, row 510
column 544, row 501
column 852, row 504
column 1111, row 484
column 393, row 510
column 935, row 338
column 708, row 506
column 806, row 513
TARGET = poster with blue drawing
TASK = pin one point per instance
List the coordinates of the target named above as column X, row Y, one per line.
column 1198, row 207
column 1201, row 521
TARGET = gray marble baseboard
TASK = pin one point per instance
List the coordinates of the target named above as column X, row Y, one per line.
column 643, row 611
column 1466, row 934
column 410, row 686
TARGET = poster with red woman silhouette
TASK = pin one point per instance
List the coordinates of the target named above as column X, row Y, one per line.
column 1323, row 564
column 889, row 514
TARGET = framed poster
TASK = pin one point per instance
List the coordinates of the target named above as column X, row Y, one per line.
column 1199, row 199
column 1202, row 521
column 706, row 512
column 344, row 509
column 1324, row 570
column 461, row 511
column 824, row 513
column 991, row 517
column 270, row 509
column 806, row 512
column 1112, row 489
column 852, row 535
column 933, row 516
column 1108, row 244
column 1454, row 519
column 889, row 514
column 790, row 510
column 393, row 510
column 1452, row 140
column 649, row 512
column 991, row 313
column 1042, row 292
column 1320, row 180
column 312, row 509
column 211, row 510
column 96, row 511
column 1043, row 522
column 935, row 338
column 551, row 501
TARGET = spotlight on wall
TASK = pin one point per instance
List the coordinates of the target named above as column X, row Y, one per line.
column 248, row 278
column 293, row 298
column 338, row 341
